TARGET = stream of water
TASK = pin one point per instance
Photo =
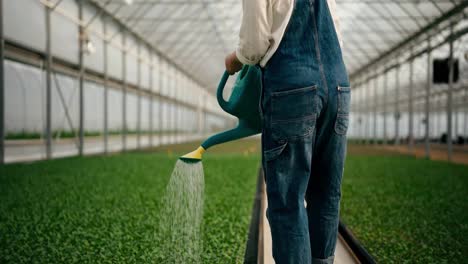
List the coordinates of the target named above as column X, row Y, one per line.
column 180, row 224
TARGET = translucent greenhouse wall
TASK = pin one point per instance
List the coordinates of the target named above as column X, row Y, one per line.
column 395, row 100
column 150, row 101
column 375, row 96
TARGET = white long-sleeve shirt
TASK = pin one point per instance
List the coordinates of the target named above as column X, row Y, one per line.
column 263, row 25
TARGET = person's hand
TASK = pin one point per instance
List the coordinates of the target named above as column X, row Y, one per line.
column 233, row 64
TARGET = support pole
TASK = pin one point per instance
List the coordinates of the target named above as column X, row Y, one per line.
column 81, row 80
column 139, row 91
column 427, row 100
column 48, row 128
column 174, row 106
column 438, row 120
column 397, row 106
column 177, row 106
column 375, row 109
column 449, row 97
column 168, row 108
column 151, row 102
column 384, row 104
column 124, row 93
column 410, row 105
column 465, row 116
column 367, row 110
column 363, row 113
column 357, row 95
column 456, row 113
column 160, row 121
column 106, row 90
column 364, row 108
column 2, row 89
column 359, row 111
column 169, row 105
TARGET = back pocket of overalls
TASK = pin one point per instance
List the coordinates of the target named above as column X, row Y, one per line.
column 293, row 113
column 342, row 118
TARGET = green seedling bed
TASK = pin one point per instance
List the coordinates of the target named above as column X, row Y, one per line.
column 407, row 210
column 105, row 209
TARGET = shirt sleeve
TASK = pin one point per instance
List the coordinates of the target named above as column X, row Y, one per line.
column 255, row 31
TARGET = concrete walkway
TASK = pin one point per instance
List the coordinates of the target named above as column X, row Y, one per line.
column 31, row 150
column 437, row 152
column 343, row 255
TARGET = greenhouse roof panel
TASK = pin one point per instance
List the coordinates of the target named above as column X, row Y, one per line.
column 197, row 34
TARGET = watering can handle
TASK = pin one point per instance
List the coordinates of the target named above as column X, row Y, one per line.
column 219, row 94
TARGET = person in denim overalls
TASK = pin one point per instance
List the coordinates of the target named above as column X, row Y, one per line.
column 305, row 108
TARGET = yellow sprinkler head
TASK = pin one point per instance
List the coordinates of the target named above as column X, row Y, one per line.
column 194, row 156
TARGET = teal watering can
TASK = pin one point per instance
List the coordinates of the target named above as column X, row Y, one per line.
column 243, row 103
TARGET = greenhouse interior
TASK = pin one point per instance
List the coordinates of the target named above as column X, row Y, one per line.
column 99, row 99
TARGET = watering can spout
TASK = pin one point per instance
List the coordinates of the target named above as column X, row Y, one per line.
column 243, row 129
column 193, row 156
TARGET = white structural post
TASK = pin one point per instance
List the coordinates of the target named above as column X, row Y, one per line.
column 106, row 89
column 359, row 107
column 362, row 108
column 364, row 113
column 180, row 110
column 455, row 112
column 160, row 102
column 449, row 96
column 438, row 121
column 176, row 105
column 160, row 83
column 151, row 98
column 2, row 89
column 384, row 104
column 465, row 115
column 168, row 120
column 48, row 102
column 139, row 91
column 124, row 93
column 177, row 109
column 368, row 109
column 410, row 105
column 81, row 40
column 397, row 106
column 427, row 100
column 358, row 110
column 173, row 105
column 374, row 141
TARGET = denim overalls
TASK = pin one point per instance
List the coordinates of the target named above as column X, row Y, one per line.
column 305, row 108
